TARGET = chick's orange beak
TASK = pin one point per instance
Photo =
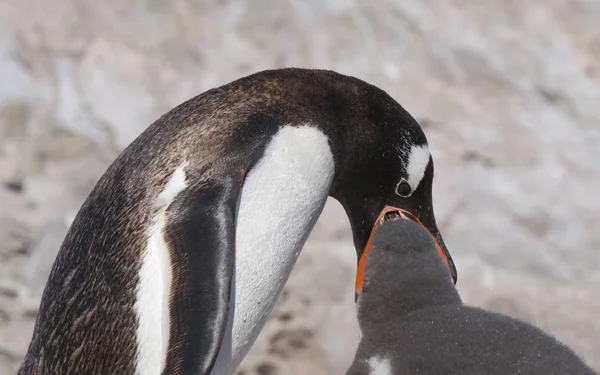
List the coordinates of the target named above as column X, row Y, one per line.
column 360, row 276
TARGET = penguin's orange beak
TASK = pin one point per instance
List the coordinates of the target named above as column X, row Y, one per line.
column 360, row 272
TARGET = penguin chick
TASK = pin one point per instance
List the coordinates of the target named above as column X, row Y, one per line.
column 414, row 322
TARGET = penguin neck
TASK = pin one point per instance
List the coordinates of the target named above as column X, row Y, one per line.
column 397, row 286
column 281, row 199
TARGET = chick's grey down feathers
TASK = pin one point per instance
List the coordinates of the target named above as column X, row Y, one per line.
column 414, row 322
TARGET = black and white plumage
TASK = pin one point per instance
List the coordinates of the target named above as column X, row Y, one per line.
column 180, row 251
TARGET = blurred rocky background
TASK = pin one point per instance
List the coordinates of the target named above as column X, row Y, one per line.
column 508, row 93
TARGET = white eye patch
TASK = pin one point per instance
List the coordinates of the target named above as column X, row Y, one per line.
column 418, row 159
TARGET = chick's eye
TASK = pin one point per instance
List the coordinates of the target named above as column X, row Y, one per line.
column 403, row 189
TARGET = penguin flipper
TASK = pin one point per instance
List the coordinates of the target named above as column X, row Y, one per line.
column 200, row 233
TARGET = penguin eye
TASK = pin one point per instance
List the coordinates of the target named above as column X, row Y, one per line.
column 403, row 189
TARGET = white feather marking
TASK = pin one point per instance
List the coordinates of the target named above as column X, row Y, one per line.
column 281, row 199
column 418, row 159
column 154, row 287
column 379, row 366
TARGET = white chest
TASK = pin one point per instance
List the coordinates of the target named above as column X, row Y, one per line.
column 282, row 197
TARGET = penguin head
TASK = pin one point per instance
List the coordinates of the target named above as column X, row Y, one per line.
column 404, row 271
column 387, row 166
column 400, row 242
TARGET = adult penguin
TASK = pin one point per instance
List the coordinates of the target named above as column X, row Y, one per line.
column 179, row 253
